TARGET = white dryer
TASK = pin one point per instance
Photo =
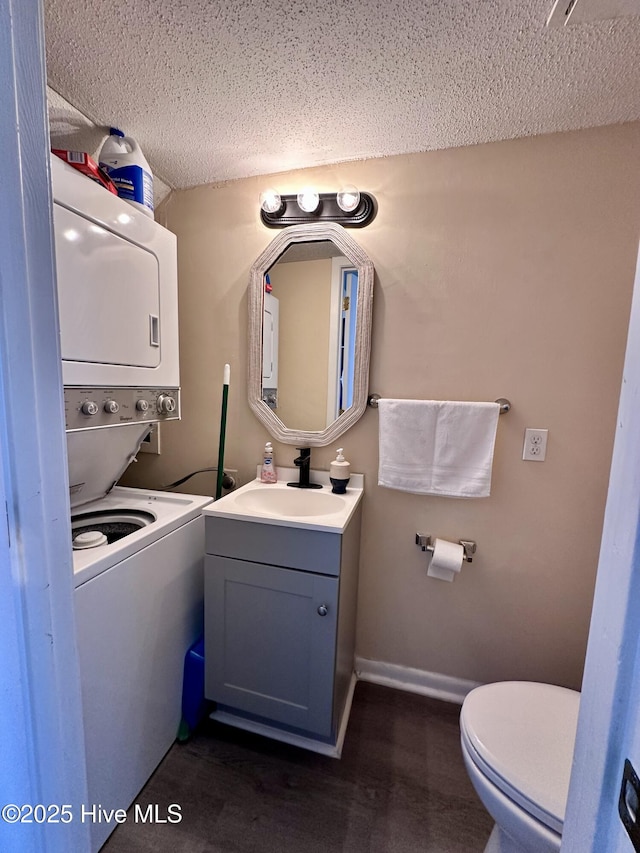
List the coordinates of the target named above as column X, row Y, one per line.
column 117, row 289
column 118, row 313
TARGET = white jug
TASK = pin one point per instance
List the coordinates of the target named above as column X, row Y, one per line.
column 122, row 159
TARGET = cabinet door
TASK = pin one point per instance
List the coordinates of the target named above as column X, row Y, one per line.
column 269, row 650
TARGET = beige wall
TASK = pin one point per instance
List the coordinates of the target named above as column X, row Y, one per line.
column 501, row 270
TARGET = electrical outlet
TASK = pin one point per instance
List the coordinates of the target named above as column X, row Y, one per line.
column 230, row 481
column 151, row 444
column 535, row 445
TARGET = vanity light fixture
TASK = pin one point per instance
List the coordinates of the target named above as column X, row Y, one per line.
column 308, row 200
column 348, row 198
column 348, row 207
column 270, row 201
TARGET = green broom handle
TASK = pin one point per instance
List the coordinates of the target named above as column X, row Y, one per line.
column 223, row 429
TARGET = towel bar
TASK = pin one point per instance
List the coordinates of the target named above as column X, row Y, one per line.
column 505, row 405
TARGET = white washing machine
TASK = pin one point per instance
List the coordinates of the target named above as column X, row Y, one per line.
column 138, row 610
column 138, row 555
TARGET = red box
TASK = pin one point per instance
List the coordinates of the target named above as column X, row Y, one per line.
column 81, row 161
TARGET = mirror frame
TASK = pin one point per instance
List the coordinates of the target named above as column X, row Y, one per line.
column 307, row 233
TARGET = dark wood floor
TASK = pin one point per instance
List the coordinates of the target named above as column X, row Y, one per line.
column 399, row 787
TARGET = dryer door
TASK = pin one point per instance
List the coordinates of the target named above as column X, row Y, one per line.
column 108, row 293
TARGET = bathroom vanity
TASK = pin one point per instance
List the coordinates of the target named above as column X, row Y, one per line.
column 281, row 580
column 281, row 566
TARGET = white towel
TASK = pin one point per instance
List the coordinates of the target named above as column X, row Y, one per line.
column 432, row 447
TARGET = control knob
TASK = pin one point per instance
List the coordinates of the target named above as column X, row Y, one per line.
column 166, row 404
column 111, row 407
column 142, row 406
column 89, row 408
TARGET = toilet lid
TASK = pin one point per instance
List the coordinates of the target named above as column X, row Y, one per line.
column 521, row 735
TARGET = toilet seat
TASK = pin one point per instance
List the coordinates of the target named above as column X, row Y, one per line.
column 521, row 735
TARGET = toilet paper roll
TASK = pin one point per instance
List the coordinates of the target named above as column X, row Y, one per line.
column 446, row 561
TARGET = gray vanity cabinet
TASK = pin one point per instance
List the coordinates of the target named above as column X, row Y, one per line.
column 280, row 607
column 273, row 653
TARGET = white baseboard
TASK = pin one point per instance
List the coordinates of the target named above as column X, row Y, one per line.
column 432, row 684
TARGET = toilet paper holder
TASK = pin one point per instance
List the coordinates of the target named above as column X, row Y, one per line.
column 423, row 540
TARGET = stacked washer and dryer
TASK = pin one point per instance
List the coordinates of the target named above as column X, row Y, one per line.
column 137, row 555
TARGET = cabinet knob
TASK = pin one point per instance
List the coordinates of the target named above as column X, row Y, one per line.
column 323, row 610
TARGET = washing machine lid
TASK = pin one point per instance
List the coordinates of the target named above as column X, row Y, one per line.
column 521, row 735
column 97, row 458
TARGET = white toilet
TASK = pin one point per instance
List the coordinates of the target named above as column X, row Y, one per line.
column 517, row 743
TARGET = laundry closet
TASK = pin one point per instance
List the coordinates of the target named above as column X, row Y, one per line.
column 137, row 554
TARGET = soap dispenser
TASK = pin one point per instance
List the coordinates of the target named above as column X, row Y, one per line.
column 339, row 473
column 268, row 473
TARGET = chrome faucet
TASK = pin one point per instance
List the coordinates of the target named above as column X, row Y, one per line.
column 303, row 462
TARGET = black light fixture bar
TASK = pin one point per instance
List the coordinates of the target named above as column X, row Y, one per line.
column 327, row 211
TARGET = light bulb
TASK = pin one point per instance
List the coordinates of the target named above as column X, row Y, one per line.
column 270, row 201
column 348, row 198
column 308, row 200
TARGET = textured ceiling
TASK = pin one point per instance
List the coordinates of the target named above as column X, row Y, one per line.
column 221, row 89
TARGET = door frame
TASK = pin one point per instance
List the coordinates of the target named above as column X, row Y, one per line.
column 41, row 734
column 609, row 717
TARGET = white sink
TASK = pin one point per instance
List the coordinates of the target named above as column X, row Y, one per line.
column 293, row 502
column 277, row 503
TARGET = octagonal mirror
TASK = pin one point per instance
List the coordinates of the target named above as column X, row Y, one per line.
column 310, row 304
